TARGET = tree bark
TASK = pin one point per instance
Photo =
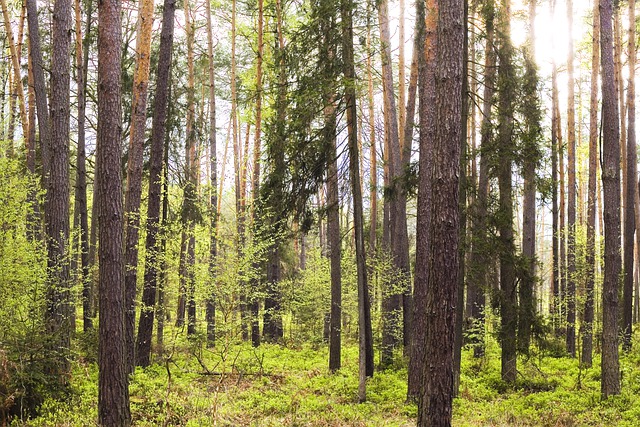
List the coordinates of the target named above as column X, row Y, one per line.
column 145, row 325
column 59, row 302
column 629, row 221
column 435, row 405
column 113, row 394
column 610, row 382
column 427, row 19
column 133, row 193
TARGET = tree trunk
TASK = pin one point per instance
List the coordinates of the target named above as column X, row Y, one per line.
column 629, row 221
column 373, row 171
column 570, row 298
column 213, row 201
column 610, row 383
column 39, row 85
column 335, row 242
column 59, row 302
column 113, row 394
column 365, row 336
column 425, row 33
column 134, row 168
column 505, row 150
column 435, row 405
column 81, row 213
column 145, row 325
column 479, row 259
column 533, row 115
column 254, row 301
column 587, row 324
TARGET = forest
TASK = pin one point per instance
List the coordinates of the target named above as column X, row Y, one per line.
column 319, row 213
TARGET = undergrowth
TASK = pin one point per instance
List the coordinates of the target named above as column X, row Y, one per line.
column 234, row 384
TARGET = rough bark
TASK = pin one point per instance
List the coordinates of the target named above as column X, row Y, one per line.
column 59, row 303
column 113, row 394
column 435, row 405
column 610, row 380
column 335, row 242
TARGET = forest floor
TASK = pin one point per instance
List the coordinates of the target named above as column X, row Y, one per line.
column 236, row 385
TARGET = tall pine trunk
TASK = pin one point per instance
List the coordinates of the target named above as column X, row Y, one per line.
column 610, row 382
column 113, row 394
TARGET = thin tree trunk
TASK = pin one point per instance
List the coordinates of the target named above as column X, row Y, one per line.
column 587, row 324
column 610, row 383
column 479, row 259
column 335, row 242
column 255, row 186
column 629, row 222
column 213, row 201
column 39, row 86
column 570, row 298
column 81, row 213
column 113, row 394
column 364, row 311
column 508, row 295
column 133, row 193
column 145, row 325
column 373, row 172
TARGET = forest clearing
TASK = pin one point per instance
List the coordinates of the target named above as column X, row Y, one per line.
column 319, row 213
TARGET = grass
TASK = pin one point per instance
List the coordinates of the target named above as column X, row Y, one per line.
column 236, row 385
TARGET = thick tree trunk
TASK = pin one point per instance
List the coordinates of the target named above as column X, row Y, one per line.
column 435, row 405
column 145, row 325
column 59, row 303
column 113, row 394
column 610, row 382
column 587, row 324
